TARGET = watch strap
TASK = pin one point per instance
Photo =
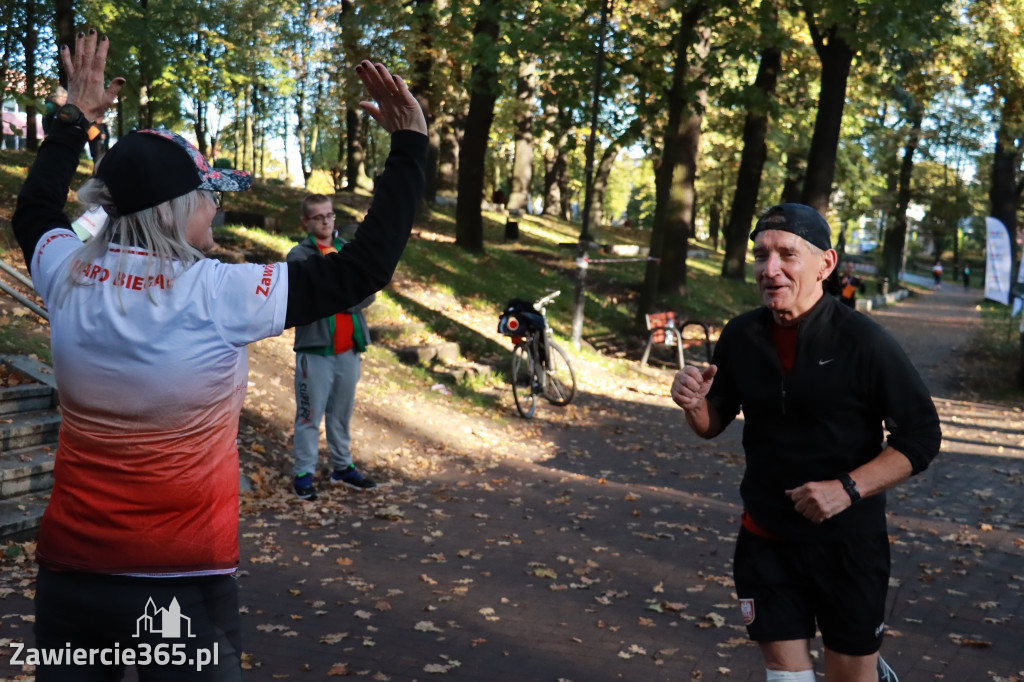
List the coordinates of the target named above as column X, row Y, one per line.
column 850, row 486
column 71, row 115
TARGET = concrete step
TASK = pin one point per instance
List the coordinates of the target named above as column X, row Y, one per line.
column 31, row 367
column 20, row 517
column 28, row 429
column 26, row 470
column 25, row 398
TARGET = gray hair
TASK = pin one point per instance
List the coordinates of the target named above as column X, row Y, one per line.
column 160, row 230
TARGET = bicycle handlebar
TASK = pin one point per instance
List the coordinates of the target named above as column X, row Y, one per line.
column 542, row 302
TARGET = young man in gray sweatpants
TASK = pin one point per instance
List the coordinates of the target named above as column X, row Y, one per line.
column 327, row 367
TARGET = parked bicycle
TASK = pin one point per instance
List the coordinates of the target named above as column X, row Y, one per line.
column 539, row 365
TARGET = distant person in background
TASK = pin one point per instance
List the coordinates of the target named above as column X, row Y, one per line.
column 99, row 141
column 937, row 274
column 967, row 277
column 849, row 285
column 498, row 198
column 57, row 99
column 327, row 367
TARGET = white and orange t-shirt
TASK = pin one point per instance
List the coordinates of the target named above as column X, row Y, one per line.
column 146, row 474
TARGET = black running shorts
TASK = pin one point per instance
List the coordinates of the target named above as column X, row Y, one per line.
column 788, row 588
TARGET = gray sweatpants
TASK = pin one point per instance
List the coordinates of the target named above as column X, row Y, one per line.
column 325, row 386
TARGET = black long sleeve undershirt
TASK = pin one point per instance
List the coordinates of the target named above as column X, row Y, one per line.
column 317, row 287
column 41, row 201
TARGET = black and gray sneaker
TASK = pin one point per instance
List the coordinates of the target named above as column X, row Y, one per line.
column 353, row 479
column 885, row 673
column 304, row 489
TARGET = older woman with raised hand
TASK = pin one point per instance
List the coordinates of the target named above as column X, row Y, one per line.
column 139, row 543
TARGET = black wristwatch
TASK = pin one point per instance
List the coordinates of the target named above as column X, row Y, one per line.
column 71, row 115
column 850, row 487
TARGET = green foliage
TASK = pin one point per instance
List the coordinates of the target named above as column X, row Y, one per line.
column 241, row 74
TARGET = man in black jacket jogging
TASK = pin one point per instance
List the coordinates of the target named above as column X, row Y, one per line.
column 816, row 380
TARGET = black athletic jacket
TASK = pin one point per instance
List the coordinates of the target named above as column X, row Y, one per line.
column 317, row 287
column 822, row 419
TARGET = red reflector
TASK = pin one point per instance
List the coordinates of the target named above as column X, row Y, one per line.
column 517, row 340
column 513, row 323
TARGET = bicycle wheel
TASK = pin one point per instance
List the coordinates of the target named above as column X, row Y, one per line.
column 523, row 381
column 560, row 387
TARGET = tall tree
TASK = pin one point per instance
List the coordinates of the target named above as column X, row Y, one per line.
column 426, row 52
column 483, row 89
column 675, row 170
column 522, row 164
column 755, row 148
column 836, row 57
column 840, row 32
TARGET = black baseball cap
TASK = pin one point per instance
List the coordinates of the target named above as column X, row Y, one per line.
column 148, row 167
column 801, row 220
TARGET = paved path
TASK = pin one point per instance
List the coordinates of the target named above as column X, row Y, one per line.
column 595, row 544
column 607, row 554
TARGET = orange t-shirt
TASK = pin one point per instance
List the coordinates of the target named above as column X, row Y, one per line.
column 343, row 328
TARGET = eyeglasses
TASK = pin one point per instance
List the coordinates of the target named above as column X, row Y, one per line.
column 324, row 218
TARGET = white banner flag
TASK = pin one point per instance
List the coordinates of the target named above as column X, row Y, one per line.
column 997, row 261
column 1020, row 286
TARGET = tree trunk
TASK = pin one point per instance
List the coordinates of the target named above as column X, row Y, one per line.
column 682, row 204
column 248, row 152
column 896, row 235
column 422, row 87
column 674, row 174
column 1002, row 195
column 604, row 170
column 355, row 155
column 752, row 159
column 64, row 21
column 7, row 40
column 145, row 111
column 305, row 157
column 601, row 174
column 522, row 164
column 555, row 169
column 483, row 89
column 715, row 216
column 450, row 132
column 795, row 170
column 836, row 57
column 30, row 41
column 199, row 127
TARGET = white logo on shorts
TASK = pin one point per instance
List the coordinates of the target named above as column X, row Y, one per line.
column 166, row 622
column 747, row 610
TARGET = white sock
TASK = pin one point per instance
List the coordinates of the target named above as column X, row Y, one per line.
column 789, row 676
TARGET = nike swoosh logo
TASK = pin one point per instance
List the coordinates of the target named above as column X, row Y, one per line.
column 825, row 362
